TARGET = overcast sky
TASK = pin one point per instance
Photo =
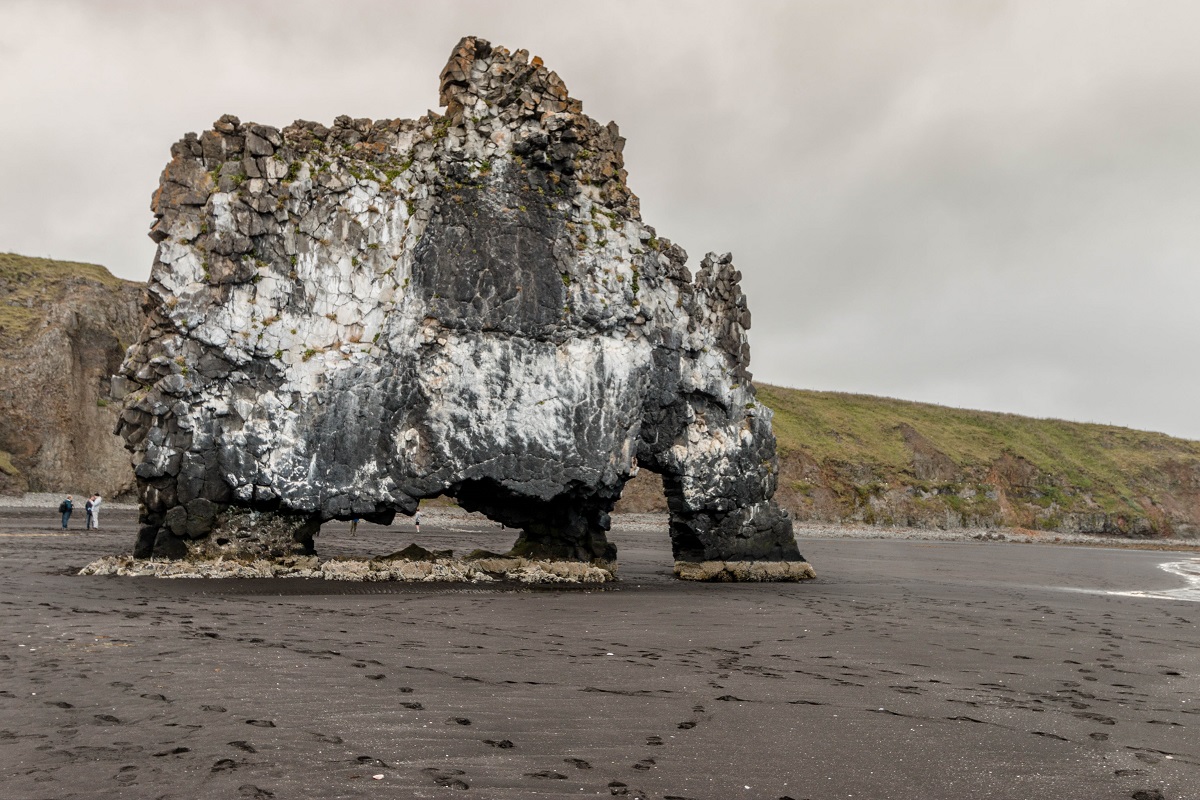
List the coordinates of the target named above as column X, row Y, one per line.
column 992, row 205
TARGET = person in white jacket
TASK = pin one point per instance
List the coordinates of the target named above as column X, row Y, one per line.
column 95, row 499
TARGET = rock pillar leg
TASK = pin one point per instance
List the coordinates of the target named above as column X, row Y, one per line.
column 725, row 524
column 564, row 528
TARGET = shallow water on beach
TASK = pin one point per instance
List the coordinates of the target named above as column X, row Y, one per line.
column 1188, row 570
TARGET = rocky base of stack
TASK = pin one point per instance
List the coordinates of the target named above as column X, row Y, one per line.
column 232, row 533
column 744, row 571
column 436, row 569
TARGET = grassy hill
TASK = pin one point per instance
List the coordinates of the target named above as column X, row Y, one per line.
column 884, row 461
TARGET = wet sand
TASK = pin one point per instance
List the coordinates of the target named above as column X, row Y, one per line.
column 908, row 669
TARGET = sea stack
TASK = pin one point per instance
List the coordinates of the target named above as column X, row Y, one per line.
column 344, row 320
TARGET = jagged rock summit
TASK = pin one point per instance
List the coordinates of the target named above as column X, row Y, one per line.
column 343, row 321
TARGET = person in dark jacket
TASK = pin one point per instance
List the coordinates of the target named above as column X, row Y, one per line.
column 65, row 508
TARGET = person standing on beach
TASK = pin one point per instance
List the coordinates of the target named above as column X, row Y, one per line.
column 95, row 499
column 353, row 526
column 417, row 522
column 87, row 510
column 65, row 508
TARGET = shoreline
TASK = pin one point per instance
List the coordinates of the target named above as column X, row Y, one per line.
column 645, row 521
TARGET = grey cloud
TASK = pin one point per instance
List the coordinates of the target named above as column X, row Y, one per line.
column 985, row 204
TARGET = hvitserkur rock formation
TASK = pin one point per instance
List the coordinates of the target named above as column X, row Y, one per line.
column 345, row 320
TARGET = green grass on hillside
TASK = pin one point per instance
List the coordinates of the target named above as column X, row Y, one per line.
column 27, row 283
column 1112, row 464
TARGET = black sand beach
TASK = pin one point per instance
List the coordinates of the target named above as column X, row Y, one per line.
column 908, row 669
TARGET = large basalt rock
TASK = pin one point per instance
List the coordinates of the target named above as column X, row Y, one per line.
column 343, row 321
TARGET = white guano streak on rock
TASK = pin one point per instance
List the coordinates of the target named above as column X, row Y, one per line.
column 525, row 413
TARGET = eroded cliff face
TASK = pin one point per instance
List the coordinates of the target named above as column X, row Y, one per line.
column 345, row 320
column 64, row 328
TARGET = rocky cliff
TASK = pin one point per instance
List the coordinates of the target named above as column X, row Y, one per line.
column 64, row 328
column 344, row 320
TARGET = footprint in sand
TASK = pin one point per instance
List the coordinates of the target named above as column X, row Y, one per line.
column 107, row 719
column 327, row 738
column 686, row 726
column 1102, row 719
column 503, row 744
column 645, row 763
column 175, row 751
column 215, row 709
column 224, row 764
column 250, row 790
column 547, row 774
column 578, row 763
column 372, row 761
column 654, row 741
column 260, row 723
column 447, row 777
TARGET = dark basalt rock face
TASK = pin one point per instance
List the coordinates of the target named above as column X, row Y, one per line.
column 345, row 320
